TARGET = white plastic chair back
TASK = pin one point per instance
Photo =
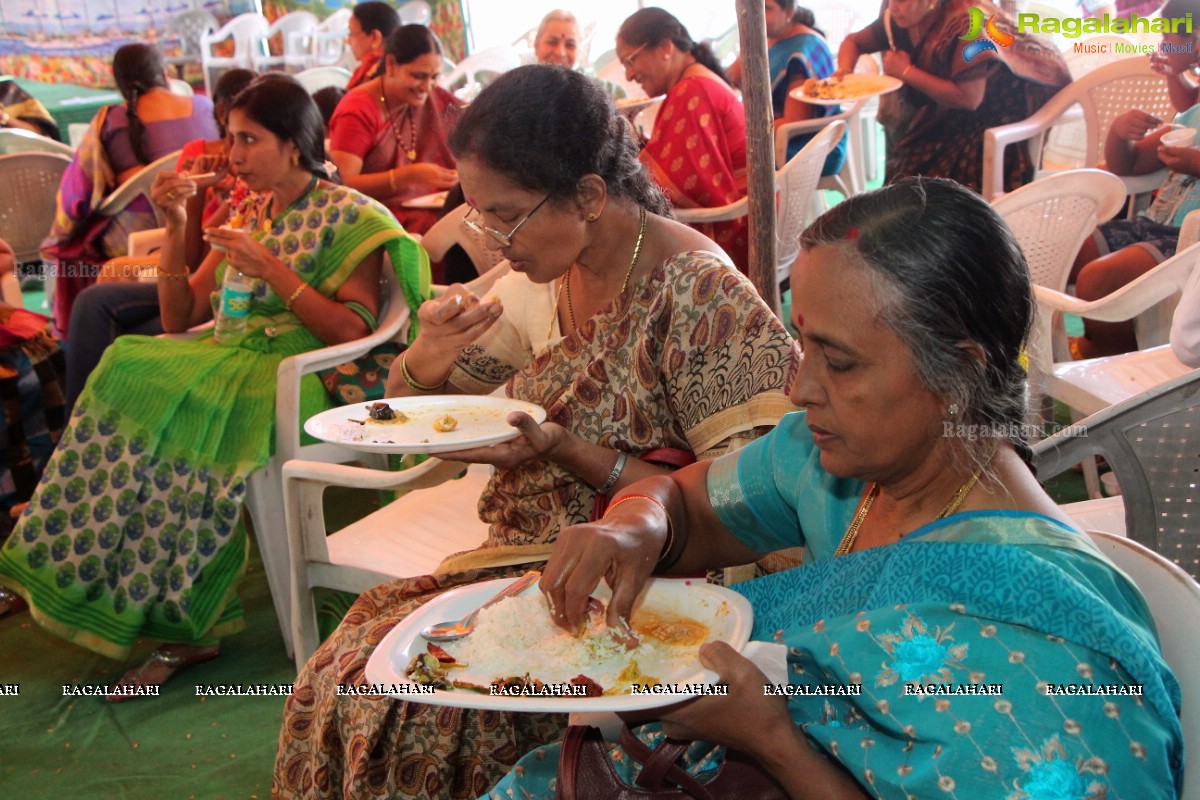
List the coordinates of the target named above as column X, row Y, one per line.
column 15, row 140
column 27, row 204
column 849, row 181
column 317, row 78
column 327, row 44
column 138, row 184
column 1100, row 96
column 181, row 88
column 477, row 70
column 189, row 26
column 1174, row 601
column 726, row 46
column 245, row 31
column 1052, row 217
column 292, row 31
column 795, row 185
column 1150, row 442
column 415, row 12
column 1090, row 386
column 264, row 494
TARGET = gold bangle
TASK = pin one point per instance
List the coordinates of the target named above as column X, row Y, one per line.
column 392, row 178
column 408, row 378
column 299, row 290
column 669, row 544
column 173, row 276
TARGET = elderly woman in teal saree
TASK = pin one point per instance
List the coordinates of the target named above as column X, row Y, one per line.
column 950, row 633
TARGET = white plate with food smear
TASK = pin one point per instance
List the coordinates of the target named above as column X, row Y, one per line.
column 855, row 86
column 427, row 424
column 435, row 200
column 516, row 639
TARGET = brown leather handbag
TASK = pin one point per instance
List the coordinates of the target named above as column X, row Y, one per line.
column 585, row 772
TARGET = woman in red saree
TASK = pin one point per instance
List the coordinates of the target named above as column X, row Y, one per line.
column 370, row 25
column 697, row 152
column 388, row 136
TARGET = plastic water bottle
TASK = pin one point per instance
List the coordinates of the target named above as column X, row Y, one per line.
column 234, row 308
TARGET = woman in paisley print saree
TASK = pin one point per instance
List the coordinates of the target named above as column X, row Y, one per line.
column 134, row 530
column 934, row 559
column 631, row 333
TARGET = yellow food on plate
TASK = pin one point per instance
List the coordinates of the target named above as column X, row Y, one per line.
column 851, row 87
column 445, row 424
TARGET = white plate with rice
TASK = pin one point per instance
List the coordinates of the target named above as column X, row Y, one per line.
column 516, row 637
column 476, row 422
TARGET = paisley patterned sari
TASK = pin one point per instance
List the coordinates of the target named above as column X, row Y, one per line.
column 688, row 358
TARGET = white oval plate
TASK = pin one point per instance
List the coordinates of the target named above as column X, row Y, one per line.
column 727, row 614
column 854, row 86
column 481, row 422
column 435, row 200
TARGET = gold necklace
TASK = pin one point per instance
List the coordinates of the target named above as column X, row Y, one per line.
column 957, row 500
column 566, row 282
column 411, row 152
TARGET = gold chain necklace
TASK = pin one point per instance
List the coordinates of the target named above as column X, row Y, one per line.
column 566, row 283
column 411, row 152
column 957, row 500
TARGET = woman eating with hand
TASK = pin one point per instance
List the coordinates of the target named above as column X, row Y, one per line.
column 388, row 136
column 134, row 530
column 935, row 562
column 955, row 88
column 644, row 346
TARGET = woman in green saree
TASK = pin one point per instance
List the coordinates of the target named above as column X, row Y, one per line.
column 948, row 618
column 134, row 530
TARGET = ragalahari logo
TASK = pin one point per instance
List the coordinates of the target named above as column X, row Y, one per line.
column 995, row 35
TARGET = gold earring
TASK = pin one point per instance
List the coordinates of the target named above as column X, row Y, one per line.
column 295, row 159
column 593, row 216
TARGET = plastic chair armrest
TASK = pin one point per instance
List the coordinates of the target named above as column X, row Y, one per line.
column 691, row 216
column 429, row 473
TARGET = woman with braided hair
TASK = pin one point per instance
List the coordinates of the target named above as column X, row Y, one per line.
column 151, row 123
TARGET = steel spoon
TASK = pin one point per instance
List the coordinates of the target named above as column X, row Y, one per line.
column 449, row 631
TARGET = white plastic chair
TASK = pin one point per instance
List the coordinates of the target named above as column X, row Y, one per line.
column 795, row 184
column 325, row 45
column 477, row 70
column 837, row 19
column 849, row 180
column 317, row 78
column 137, row 185
column 407, row 537
column 1151, row 443
column 1051, row 218
column 245, row 31
column 1174, row 602
column 181, row 88
column 27, row 204
column 189, row 26
column 264, row 495
column 1054, row 215
column 449, row 231
column 14, row 140
column 1095, row 99
column 294, row 30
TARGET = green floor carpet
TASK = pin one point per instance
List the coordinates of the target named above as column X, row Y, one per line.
column 177, row 745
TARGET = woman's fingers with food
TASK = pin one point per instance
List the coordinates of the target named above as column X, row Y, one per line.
column 434, row 175
column 1180, row 159
column 535, row 442
column 170, row 192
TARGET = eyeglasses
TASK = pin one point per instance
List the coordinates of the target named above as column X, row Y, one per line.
column 505, row 239
column 627, row 61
